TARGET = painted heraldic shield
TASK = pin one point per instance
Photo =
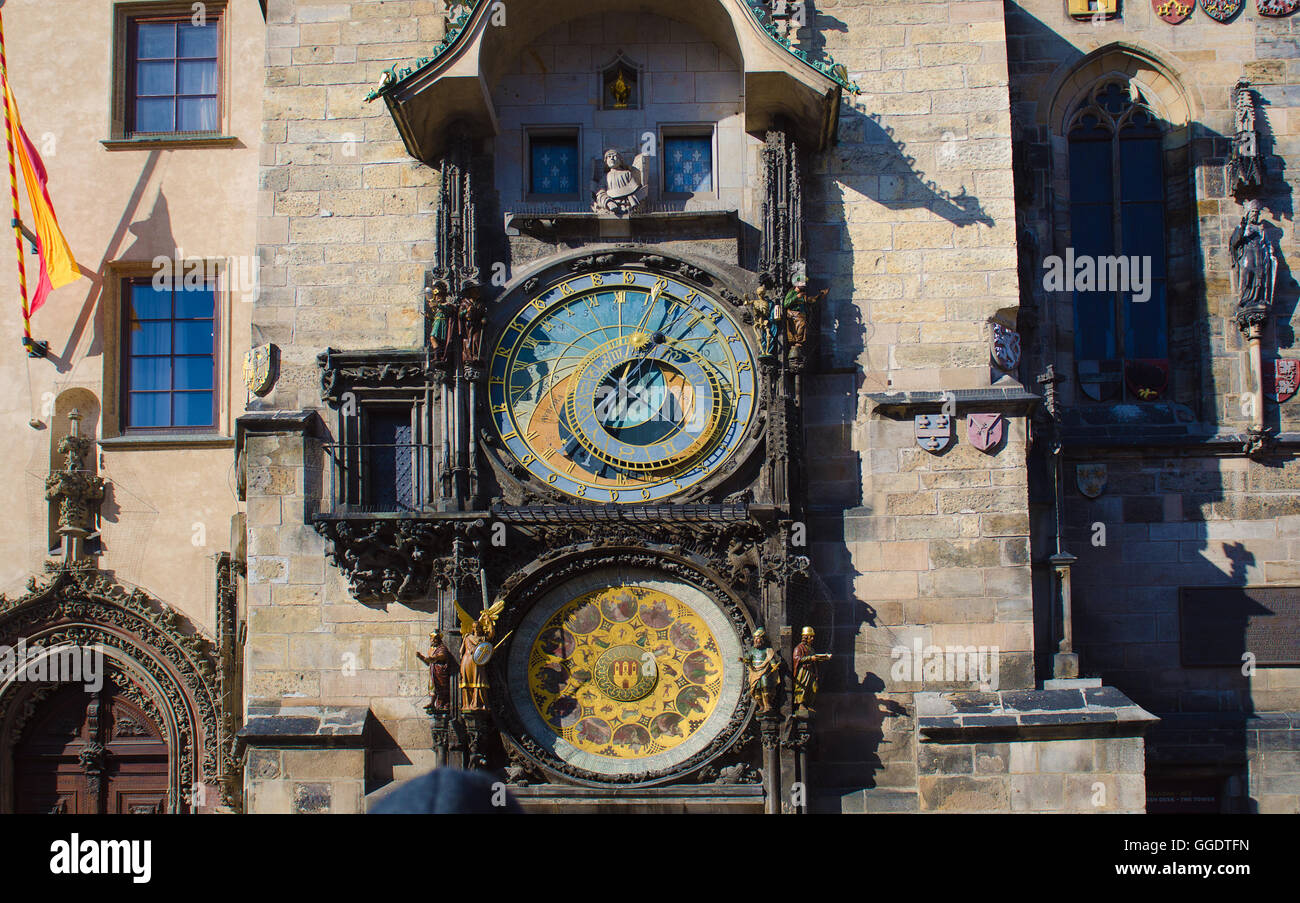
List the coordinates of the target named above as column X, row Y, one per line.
column 258, row 366
column 1091, row 479
column 985, row 430
column 933, row 432
column 1004, row 346
column 1173, row 11
column 1277, row 7
column 1286, row 378
column 1222, row 10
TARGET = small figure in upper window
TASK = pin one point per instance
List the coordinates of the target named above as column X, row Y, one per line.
column 473, row 317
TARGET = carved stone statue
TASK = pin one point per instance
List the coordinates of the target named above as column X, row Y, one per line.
column 616, row 187
column 1254, row 260
column 798, row 302
column 442, row 664
column 763, row 673
column 806, row 670
column 442, row 319
column 473, row 317
column 1245, row 163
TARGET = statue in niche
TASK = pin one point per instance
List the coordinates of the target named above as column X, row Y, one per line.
column 798, row 302
column 1245, row 164
column 442, row 320
column 473, row 317
column 762, row 673
column 620, row 90
column 616, row 187
column 476, row 649
column 767, row 321
column 442, row 664
column 1254, row 260
column 806, row 663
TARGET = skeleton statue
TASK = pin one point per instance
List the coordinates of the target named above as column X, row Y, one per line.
column 1254, row 260
column 473, row 317
column 616, row 187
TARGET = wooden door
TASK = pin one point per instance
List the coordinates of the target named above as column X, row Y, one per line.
column 87, row 753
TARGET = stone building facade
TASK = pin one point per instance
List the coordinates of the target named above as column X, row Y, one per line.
column 1019, row 519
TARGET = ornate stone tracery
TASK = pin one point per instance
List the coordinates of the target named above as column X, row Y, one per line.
column 153, row 653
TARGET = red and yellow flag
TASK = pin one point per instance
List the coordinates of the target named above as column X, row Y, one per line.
column 58, row 266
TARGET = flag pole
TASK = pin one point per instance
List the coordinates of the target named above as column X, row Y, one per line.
column 34, row 348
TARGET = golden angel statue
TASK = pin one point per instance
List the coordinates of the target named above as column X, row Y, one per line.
column 476, row 650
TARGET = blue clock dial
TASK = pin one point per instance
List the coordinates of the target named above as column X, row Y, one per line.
column 622, row 386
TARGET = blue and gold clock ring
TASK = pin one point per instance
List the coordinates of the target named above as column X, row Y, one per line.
column 622, row 385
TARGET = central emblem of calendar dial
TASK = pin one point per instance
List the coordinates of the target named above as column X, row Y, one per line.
column 622, row 386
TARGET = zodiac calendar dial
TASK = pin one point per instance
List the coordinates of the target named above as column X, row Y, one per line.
column 625, row 672
column 622, row 386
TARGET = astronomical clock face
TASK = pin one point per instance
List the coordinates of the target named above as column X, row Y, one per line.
column 622, row 386
column 625, row 673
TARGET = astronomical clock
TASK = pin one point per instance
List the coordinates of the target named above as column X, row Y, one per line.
column 608, row 523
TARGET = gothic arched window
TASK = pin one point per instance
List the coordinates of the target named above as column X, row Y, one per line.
column 1117, row 225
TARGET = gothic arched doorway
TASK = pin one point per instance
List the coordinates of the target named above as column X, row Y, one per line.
column 90, row 753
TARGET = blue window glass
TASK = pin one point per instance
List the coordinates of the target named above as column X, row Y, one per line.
column 553, row 164
column 174, row 86
column 1117, row 203
column 688, row 164
column 170, row 356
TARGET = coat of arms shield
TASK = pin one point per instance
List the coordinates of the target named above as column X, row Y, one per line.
column 1173, row 11
column 985, row 430
column 1004, row 346
column 1286, row 378
column 259, row 368
column 1222, row 10
column 1277, row 7
column 933, row 432
column 1091, row 479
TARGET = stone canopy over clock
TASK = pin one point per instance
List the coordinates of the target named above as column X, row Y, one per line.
column 622, row 382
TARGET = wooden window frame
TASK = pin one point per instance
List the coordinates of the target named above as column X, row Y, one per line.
column 125, row 14
column 214, row 285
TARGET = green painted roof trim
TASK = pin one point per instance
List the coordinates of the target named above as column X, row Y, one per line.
column 456, row 28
